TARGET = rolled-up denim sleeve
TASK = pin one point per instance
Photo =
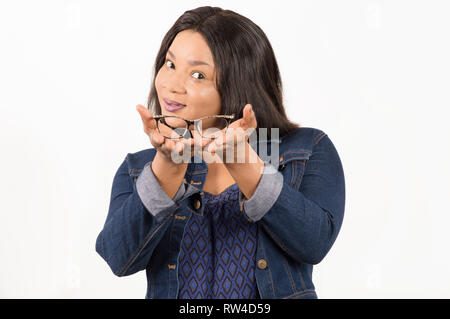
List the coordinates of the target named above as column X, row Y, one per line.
column 153, row 196
column 265, row 195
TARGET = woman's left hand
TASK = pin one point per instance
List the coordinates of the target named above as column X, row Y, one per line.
column 235, row 138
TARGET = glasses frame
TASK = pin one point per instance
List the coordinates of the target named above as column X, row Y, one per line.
column 228, row 118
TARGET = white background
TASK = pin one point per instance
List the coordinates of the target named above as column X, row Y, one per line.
column 374, row 75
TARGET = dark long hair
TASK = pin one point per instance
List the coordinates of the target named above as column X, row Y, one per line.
column 246, row 68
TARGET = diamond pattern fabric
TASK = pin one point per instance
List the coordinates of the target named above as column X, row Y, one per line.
column 217, row 256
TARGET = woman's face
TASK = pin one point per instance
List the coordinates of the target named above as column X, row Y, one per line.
column 188, row 77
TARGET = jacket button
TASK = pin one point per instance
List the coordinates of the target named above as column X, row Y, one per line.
column 197, row 204
column 281, row 158
column 262, row 264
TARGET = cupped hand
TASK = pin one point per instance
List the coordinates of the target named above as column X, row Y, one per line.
column 167, row 147
column 235, row 136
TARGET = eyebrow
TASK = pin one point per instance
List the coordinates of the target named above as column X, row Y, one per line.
column 195, row 62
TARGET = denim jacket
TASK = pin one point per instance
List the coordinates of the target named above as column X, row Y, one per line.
column 298, row 206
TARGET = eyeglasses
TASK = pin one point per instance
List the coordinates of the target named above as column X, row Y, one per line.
column 174, row 127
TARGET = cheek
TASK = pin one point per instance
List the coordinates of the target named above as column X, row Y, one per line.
column 207, row 96
column 158, row 81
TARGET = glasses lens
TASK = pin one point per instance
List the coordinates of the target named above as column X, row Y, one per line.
column 173, row 128
column 209, row 127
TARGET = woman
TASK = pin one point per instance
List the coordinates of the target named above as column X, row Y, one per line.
column 206, row 226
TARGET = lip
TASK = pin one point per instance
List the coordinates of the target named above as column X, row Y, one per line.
column 172, row 106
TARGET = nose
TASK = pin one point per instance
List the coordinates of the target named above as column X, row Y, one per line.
column 175, row 84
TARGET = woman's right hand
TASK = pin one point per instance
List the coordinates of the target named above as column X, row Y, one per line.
column 166, row 146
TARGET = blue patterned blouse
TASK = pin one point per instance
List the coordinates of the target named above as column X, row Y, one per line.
column 217, row 257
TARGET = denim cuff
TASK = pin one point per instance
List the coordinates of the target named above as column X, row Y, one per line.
column 265, row 195
column 153, row 196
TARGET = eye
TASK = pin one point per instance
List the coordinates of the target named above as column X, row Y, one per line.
column 168, row 63
column 201, row 76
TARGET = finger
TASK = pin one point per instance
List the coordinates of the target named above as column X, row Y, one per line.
column 232, row 139
column 227, row 141
column 217, row 139
column 248, row 116
column 248, row 110
column 210, row 156
column 199, row 141
column 211, row 148
column 169, row 145
column 149, row 124
column 147, row 117
column 156, row 139
column 185, row 148
column 217, row 143
column 179, row 146
column 253, row 121
column 176, row 145
column 187, row 143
